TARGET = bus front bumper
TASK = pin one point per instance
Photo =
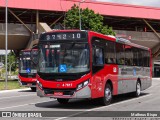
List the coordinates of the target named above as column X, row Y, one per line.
column 82, row 93
column 27, row 84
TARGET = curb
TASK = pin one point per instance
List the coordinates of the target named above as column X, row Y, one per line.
column 155, row 78
column 14, row 90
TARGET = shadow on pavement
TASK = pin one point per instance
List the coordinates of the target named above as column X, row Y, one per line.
column 85, row 103
column 73, row 104
column 125, row 97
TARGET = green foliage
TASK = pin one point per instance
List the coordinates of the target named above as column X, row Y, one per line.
column 11, row 59
column 11, row 84
column 89, row 19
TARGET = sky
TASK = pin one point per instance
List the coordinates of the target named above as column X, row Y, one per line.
column 2, row 52
column 152, row 3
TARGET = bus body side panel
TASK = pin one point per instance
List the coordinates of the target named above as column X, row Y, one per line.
column 99, row 79
column 147, row 78
column 128, row 77
column 109, row 72
column 29, row 82
column 24, row 79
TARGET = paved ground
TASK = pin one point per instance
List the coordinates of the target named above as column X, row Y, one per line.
column 26, row 100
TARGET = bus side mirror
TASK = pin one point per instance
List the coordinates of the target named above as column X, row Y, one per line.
column 34, row 56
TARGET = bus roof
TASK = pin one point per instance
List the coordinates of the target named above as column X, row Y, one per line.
column 128, row 42
column 120, row 40
column 110, row 37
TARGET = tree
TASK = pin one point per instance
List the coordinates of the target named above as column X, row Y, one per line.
column 89, row 20
column 11, row 59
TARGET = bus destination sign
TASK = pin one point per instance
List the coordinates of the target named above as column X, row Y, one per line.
column 63, row 36
column 26, row 53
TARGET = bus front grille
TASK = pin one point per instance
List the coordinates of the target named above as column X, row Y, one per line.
column 65, row 91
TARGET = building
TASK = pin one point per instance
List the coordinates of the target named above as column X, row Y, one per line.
column 26, row 19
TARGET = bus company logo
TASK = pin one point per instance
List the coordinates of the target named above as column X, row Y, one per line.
column 58, row 85
column 114, row 69
column 6, row 114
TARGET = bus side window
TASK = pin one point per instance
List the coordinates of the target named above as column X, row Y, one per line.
column 98, row 56
column 128, row 55
column 140, row 58
column 120, row 54
column 135, row 56
column 110, row 55
column 146, row 58
column 98, row 59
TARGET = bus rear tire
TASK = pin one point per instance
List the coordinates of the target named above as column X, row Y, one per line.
column 106, row 100
column 138, row 89
column 62, row 100
column 33, row 89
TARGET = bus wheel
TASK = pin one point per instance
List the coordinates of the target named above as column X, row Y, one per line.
column 106, row 100
column 138, row 89
column 33, row 89
column 62, row 100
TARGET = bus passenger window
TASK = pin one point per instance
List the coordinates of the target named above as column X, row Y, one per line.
column 128, row 55
column 110, row 55
column 98, row 56
column 120, row 54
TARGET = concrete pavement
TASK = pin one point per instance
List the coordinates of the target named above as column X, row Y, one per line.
column 26, row 100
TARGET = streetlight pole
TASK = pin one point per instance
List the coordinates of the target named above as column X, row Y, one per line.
column 6, row 42
column 80, row 27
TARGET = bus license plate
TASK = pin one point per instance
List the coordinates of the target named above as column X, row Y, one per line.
column 29, row 84
column 58, row 93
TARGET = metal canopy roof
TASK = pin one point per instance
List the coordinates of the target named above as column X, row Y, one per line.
column 104, row 8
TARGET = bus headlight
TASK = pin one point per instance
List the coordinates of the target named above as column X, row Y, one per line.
column 86, row 83
column 83, row 84
column 39, row 84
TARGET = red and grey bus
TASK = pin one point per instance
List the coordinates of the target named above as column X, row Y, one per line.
column 86, row 64
column 27, row 70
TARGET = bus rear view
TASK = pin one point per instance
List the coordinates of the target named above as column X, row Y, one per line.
column 85, row 64
column 27, row 70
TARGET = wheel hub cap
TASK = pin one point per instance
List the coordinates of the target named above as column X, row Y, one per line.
column 108, row 94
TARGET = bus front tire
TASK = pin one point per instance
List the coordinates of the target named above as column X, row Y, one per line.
column 33, row 89
column 62, row 100
column 106, row 100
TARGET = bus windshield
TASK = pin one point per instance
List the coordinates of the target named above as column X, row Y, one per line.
column 63, row 58
column 25, row 63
